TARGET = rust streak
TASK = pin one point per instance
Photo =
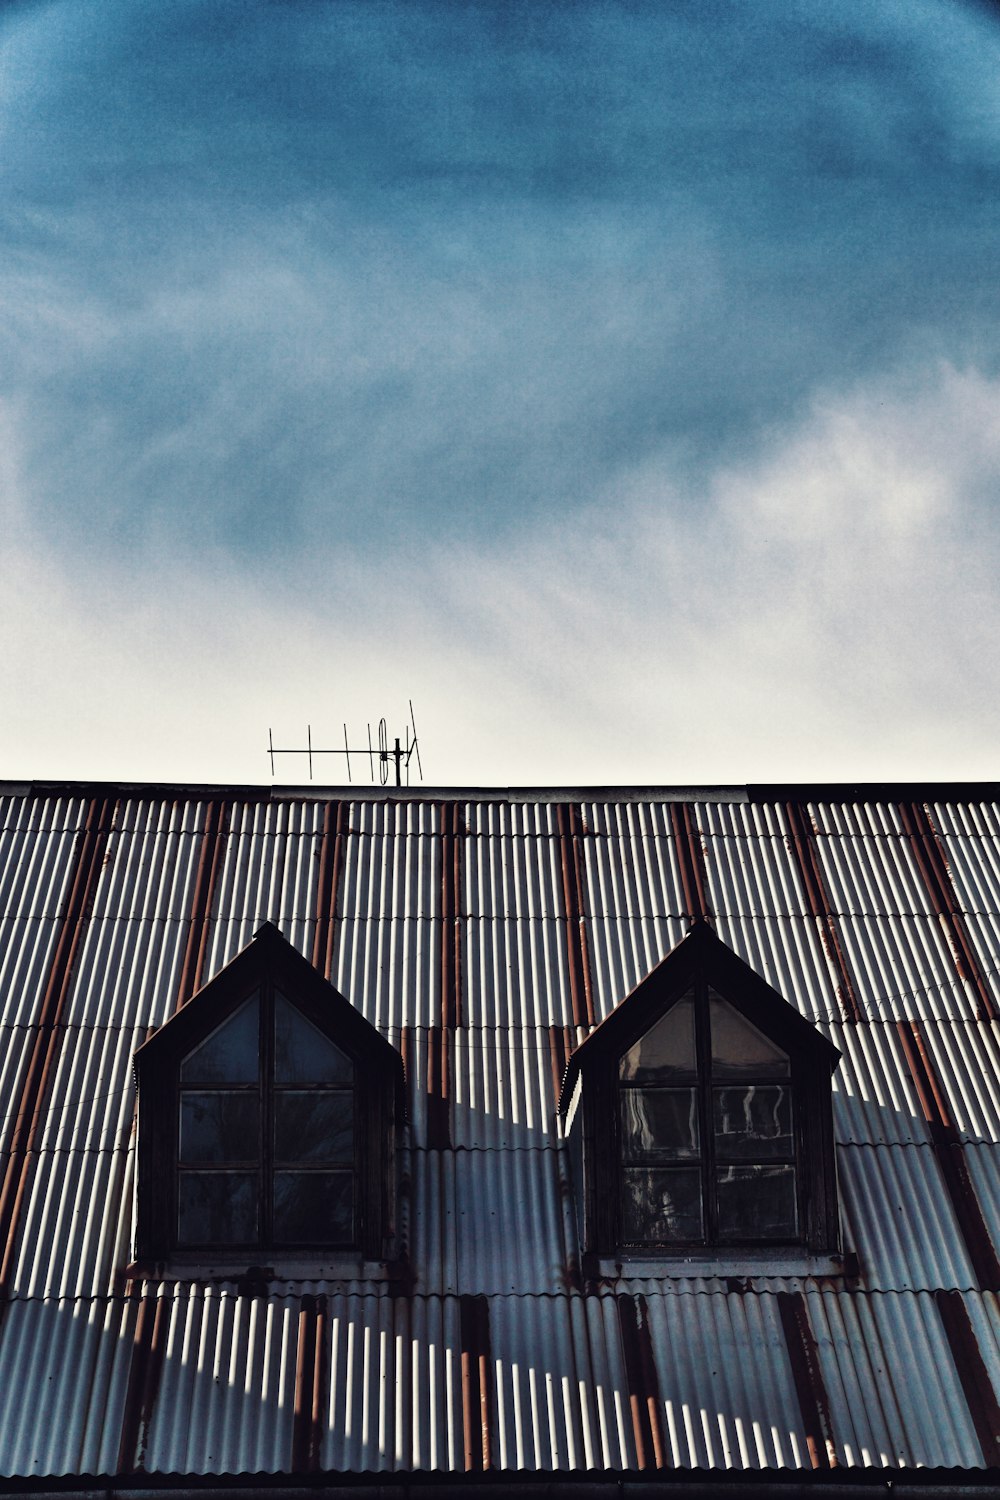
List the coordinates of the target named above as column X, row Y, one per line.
column 438, row 1089
column 569, row 822
column 691, row 858
column 331, row 863
column 645, row 1403
column 88, row 860
column 972, row 1372
column 821, row 907
column 474, row 1333
column 451, row 922
column 560, row 1047
column 814, row 1402
column 304, row 1409
column 319, row 1387
column 932, row 864
column 209, row 861
column 149, row 1343
column 950, row 1156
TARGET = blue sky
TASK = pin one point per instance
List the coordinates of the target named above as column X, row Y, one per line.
column 621, row 382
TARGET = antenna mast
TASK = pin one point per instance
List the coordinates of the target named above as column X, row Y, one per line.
column 399, row 756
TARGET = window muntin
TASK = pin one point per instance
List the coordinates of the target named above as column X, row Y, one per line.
column 266, row 1134
column 707, row 1130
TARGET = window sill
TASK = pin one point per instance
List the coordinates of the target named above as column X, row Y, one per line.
column 281, row 1269
column 756, row 1264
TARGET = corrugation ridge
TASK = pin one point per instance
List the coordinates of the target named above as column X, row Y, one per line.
column 622, row 953
column 266, row 876
column 391, row 971
column 903, row 970
column 515, row 974
column 787, row 952
column 874, row 1099
column 880, row 1187
column 512, row 875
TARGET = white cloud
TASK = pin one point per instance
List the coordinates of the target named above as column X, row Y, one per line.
column 828, row 612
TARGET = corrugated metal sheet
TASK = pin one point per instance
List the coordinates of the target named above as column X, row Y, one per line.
column 484, row 999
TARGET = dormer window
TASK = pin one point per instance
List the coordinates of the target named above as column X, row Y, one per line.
column 266, row 1133
column 268, row 1110
column 706, row 1127
column 699, row 1115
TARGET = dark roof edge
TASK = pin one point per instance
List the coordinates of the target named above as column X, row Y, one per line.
column 806, row 791
column 677, row 1484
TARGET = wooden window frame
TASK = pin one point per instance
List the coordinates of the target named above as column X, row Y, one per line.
column 268, row 965
column 591, row 1100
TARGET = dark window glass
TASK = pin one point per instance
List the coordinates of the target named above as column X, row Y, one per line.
column 754, row 1120
column 230, row 1054
column 757, row 1203
column 661, row 1124
column 302, row 1054
column 662, row 1205
column 219, row 1127
column 314, row 1208
column 667, row 1049
column 217, row 1208
column 739, row 1050
column 313, row 1126
column 704, row 1067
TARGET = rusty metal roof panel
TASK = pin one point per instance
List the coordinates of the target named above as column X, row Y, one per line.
column 268, row 874
column 488, row 1209
column 227, row 1393
column 875, row 1102
column 902, row 968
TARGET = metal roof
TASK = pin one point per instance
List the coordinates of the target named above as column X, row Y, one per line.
column 485, row 935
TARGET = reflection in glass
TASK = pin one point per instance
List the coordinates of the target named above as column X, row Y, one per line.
column 314, row 1126
column 302, row 1054
column 754, row 1120
column 219, row 1127
column 757, row 1203
column 216, row 1208
column 229, row 1055
column 314, row 1208
column 659, row 1123
column 662, row 1205
column 738, row 1048
column 667, row 1049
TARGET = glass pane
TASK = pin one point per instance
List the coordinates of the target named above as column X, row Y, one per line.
column 229, row 1055
column 314, row 1126
column 217, row 1208
column 738, row 1048
column 314, row 1208
column 661, row 1206
column 219, row 1127
column 754, row 1120
column 660, row 1123
column 757, row 1203
column 666, row 1050
column 302, row 1054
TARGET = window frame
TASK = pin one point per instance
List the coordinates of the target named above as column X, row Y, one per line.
column 269, row 965
column 591, row 1095
column 705, row 1083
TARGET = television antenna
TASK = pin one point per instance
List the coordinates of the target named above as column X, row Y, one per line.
column 399, row 756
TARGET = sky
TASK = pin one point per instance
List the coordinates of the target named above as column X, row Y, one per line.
column 619, row 382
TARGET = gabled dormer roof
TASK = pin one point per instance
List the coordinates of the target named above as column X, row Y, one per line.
column 703, row 953
column 269, row 955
